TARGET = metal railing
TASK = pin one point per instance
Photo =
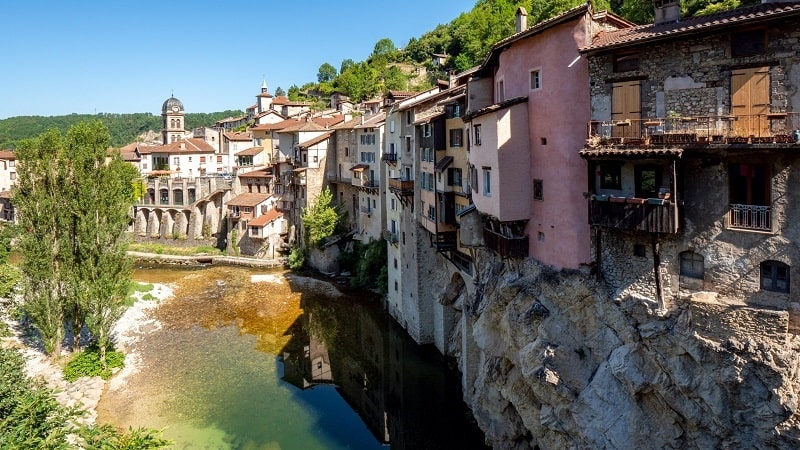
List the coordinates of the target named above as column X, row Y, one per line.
column 390, row 237
column 767, row 128
column 389, row 157
column 656, row 216
column 750, row 217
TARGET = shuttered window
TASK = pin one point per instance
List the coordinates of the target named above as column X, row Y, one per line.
column 750, row 101
column 626, row 108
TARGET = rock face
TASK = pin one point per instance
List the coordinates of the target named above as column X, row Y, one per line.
column 565, row 365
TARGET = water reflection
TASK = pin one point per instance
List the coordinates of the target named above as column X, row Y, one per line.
column 286, row 364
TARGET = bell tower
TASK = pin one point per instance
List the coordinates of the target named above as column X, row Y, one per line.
column 172, row 115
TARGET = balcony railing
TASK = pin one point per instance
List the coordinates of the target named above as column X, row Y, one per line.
column 390, row 237
column 402, row 187
column 389, row 157
column 366, row 210
column 651, row 215
column 509, row 247
column 771, row 128
column 751, row 217
column 334, row 178
column 234, row 214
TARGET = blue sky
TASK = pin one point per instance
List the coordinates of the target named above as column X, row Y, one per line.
column 88, row 56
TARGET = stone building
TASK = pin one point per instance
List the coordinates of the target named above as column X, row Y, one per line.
column 692, row 157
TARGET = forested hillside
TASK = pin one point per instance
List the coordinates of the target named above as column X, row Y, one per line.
column 466, row 40
column 123, row 127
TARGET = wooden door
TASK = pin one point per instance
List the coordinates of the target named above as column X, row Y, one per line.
column 626, row 109
column 750, row 101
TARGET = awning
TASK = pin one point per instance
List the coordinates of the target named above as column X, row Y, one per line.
column 360, row 167
column 300, row 169
column 443, row 163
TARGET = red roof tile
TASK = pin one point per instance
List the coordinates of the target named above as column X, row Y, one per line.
column 265, row 218
column 316, row 140
column 191, row 145
column 236, row 136
column 252, row 151
column 7, row 155
column 249, row 199
column 689, row 25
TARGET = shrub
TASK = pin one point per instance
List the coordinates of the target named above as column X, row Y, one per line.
column 9, row 277
column 87, row 364
column 30, row 417
column 296, row 258
column 370, row 270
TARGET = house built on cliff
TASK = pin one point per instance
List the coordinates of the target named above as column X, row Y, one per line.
column 692, row 156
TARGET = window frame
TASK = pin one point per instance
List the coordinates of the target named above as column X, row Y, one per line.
column 774, row 268
column 537, row 71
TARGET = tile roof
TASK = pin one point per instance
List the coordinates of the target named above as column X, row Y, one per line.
column 191, row 145
column 612, row 153
column 270, row 126
column 443, row 163
column 492, row 108
column 651, row 32
column 316, row 140
column 260, row 173
column 6, row 194
column 280, row 100
column 7, row 155
column 236, row 136
column 372, row 121
column 359, row 167
column 265, row 218
column 249, row 199
column 252, row 151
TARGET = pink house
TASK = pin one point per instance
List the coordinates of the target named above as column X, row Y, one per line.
column 528, row 105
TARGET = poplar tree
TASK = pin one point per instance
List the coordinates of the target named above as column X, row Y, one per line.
column 74, row 198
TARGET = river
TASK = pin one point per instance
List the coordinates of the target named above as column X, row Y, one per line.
column 285, row 363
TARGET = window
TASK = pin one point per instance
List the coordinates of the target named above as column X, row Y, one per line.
column 219, row 158
column 391, row 149
column 610, row 175
column 487, row 181
column 474, row 178
column 316, row 158
column 456, row 136
column 477, row 131
column 176, row 161
column 346, row 151
column 202, row 159
column 501, row 91
column 394, row 204
column 536, row 79
column 639, row 250
column 537, row 189
column 190, row 159
column 749, row 184
column 774, row 276
column 391, row 126
column 626, row 61
column 408, row 117
column 692, row 265
column 431, row 213
column 647, row 180
column 748, row 42
column 454, row 177
column 426, row 130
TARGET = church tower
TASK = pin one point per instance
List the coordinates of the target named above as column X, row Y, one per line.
column 264, row 99
column 172, row 115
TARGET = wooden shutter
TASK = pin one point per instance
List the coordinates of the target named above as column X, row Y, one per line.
column 750, row 101
column 626, row 105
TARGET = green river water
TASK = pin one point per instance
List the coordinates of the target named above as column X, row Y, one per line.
column 284, row 364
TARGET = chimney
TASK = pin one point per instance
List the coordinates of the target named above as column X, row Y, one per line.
column 667, row 11
column 522, row 19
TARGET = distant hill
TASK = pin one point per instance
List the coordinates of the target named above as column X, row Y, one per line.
column 123, row 127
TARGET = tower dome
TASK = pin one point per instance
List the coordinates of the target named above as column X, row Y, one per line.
column 172, row 104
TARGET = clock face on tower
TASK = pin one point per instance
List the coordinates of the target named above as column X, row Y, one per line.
column 175, row 108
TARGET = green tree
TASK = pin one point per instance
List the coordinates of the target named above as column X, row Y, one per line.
column 359, row 82
column 326, row 73
column 320, row 219
column 279, row 92
column 74, row 201
column 384, row 47
column 395, row 79
column 346, row 64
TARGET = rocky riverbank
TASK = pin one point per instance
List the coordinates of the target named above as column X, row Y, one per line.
column 85, row 392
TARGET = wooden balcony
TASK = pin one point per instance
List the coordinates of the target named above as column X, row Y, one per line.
column 389, row 158
column 652, row 216
column 505, row 246
column 770, row 128
column 401, row 187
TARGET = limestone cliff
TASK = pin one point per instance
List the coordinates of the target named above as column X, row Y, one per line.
column 563, row 364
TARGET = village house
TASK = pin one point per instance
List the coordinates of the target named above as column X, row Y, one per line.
column 8, row 177
column 691, row 156
column 340, row 175
column 367, row 177
column 525, row 113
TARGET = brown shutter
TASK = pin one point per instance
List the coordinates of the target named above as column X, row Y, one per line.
column 750, row 101
column 626, row 104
